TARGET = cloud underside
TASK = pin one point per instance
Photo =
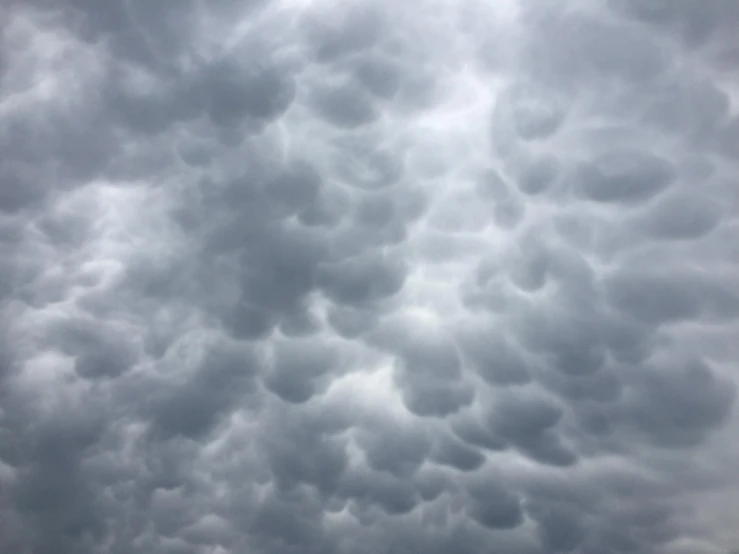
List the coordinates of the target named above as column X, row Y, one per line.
column 368, row 277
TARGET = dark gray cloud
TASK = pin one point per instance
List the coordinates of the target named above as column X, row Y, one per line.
column 626, row 176
column 305, row 276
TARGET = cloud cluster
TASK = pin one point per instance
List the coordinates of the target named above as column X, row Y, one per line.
column 308, row 276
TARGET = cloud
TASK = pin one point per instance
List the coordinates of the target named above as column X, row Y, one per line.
column 355, row 277
column 624, row 177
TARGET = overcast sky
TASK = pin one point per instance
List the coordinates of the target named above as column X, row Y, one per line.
column 369, row 276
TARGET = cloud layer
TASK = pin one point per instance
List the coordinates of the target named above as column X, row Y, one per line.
column 309, row 276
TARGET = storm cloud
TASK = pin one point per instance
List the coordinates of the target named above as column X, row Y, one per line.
column 309, row 276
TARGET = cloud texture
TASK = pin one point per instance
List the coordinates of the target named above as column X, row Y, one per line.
column 322, row 277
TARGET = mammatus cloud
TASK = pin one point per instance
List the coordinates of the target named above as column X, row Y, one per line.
column 306, row 276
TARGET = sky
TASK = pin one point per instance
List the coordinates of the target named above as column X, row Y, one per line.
column 369, row 276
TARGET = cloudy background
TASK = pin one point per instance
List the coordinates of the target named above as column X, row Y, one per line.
column 369, row 276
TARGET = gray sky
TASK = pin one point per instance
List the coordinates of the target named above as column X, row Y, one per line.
column 369, row 276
